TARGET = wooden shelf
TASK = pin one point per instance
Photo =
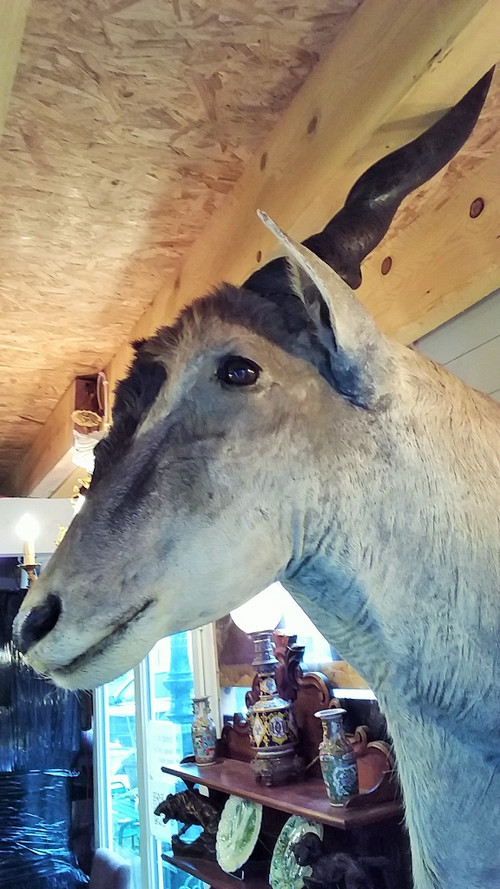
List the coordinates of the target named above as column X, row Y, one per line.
column 306, row 798
column 210, row 872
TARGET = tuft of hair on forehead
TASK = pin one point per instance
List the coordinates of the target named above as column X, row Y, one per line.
column 278, row 317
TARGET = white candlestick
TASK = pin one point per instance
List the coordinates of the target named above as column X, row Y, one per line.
column 29, row 552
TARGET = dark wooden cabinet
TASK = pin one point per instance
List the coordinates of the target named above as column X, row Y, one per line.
column 362, row 818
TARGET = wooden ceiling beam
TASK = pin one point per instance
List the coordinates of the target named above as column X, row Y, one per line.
column 12, row 21
column 442, row 262
column 396, row 67
column 48, row 461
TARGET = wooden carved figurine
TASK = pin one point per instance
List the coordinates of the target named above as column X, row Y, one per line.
column 337, row 870
column 190, row 807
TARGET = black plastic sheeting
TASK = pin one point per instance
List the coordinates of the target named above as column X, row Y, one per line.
column 34, row 832
column 39, row 723
column 39, row 744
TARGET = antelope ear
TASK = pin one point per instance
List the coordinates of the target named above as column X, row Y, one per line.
column 359, row 355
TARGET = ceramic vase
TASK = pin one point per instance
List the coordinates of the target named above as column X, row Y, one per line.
column 337, row 758
column 272, row 728
column 203, row 732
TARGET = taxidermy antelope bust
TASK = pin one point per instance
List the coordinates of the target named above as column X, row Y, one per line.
column 273, row 433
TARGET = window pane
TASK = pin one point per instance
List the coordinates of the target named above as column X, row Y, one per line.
column 121, row 769
column 169, row 740
column 169, row 691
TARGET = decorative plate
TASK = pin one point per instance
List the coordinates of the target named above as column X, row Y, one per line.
column 285, row 873
column 237, row 832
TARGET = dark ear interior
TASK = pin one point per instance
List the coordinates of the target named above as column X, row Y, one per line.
column 313, row 300
column 345, row 365
column 359, row 358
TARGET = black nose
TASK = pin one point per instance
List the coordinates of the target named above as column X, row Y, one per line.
column 39, row 621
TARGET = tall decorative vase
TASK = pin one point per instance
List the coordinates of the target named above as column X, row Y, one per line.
column 203, row 732
column 337, row 758
column 272, row 728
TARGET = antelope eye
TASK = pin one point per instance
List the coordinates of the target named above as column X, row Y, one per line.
column 237, row 371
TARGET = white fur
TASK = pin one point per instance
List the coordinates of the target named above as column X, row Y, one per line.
column 381, row 517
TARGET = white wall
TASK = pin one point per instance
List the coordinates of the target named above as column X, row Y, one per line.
column 469, row 345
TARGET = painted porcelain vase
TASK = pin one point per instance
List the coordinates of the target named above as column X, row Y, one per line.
column 203, row 732
column 272, row 729
column 337, row 758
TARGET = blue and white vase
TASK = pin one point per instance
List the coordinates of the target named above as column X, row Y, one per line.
column 337, row 758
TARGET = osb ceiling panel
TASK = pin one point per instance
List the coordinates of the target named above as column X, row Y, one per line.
column 129, row 121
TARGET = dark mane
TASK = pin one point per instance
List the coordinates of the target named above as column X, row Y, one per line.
column 133, row 396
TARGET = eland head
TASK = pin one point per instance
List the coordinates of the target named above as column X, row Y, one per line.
column 274, row 433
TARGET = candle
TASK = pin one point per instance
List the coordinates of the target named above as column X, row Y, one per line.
column 27, row 529
column 29, row 551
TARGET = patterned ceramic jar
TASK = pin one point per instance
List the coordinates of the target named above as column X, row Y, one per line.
column 203, row 732
column 272, row 728
column 337, row 758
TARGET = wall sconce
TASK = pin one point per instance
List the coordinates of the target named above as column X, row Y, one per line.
column 86, row 435
column 90, row 418
column 80, row 493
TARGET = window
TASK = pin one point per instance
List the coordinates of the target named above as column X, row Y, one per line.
column 143, row 719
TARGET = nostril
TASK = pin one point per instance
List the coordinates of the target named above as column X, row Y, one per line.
column 39, row 621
